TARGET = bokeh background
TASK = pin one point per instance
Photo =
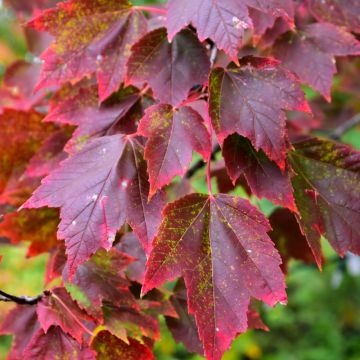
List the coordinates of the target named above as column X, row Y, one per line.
column 322, row 318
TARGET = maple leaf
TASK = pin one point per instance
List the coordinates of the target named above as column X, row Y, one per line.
column 56, row 344
column 184, row 327
column 173, row 134
column 98, row 189
column 130, row 244
column 156, row 303
column 223, row 181
column 263, row 20
column 90, row 37
column 320, row 43
column 102, row 278
column 169, row 68
column 255, row 321
column 58, row 308
column 339, row 12
column 263, row 175
column 250, row 100
column 36, row 226
column 55, row 264
column 21, row 322
column 81, row 108
column 125, row 321
column 21, row 136
column 327, row 194
column 219, row 244
column 223, row 21
column 271, row 35
column 109, row 347
column 288, row 238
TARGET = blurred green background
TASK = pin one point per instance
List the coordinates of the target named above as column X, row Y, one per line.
column 320, row 322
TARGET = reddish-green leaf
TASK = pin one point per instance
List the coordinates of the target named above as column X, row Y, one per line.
column 171, row 69
column 109, row 347
column 263, row 175
column 126, row 320
column 58, row 308
column 173, row 136
column 219, row 244
column 102, row 278
column 250, row 100
column 157, row 303
column 91, row 36
column 320, row 43
column 36, row 226
column 56, row 344
column 21, row 136
column 98, row 189
column 327, row 194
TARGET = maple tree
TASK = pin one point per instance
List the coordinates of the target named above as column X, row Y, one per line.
column 97, row 167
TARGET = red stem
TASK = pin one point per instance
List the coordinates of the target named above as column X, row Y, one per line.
column 208, row 176
column 151, row 9
column 144, row 90
column 208, row 168
column 192, row 100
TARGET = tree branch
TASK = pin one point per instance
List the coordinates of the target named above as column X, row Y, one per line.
column 21, row 300
column 343, row 128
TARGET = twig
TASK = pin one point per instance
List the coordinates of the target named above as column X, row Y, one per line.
column 21, row 300
column 201, row 164
column 343, row 128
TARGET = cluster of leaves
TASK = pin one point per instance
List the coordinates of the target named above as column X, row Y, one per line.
column 123, row 97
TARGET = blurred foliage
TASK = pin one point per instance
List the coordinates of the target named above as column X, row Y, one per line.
column 12, row 40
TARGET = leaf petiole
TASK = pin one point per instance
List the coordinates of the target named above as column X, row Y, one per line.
column 151, row 9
